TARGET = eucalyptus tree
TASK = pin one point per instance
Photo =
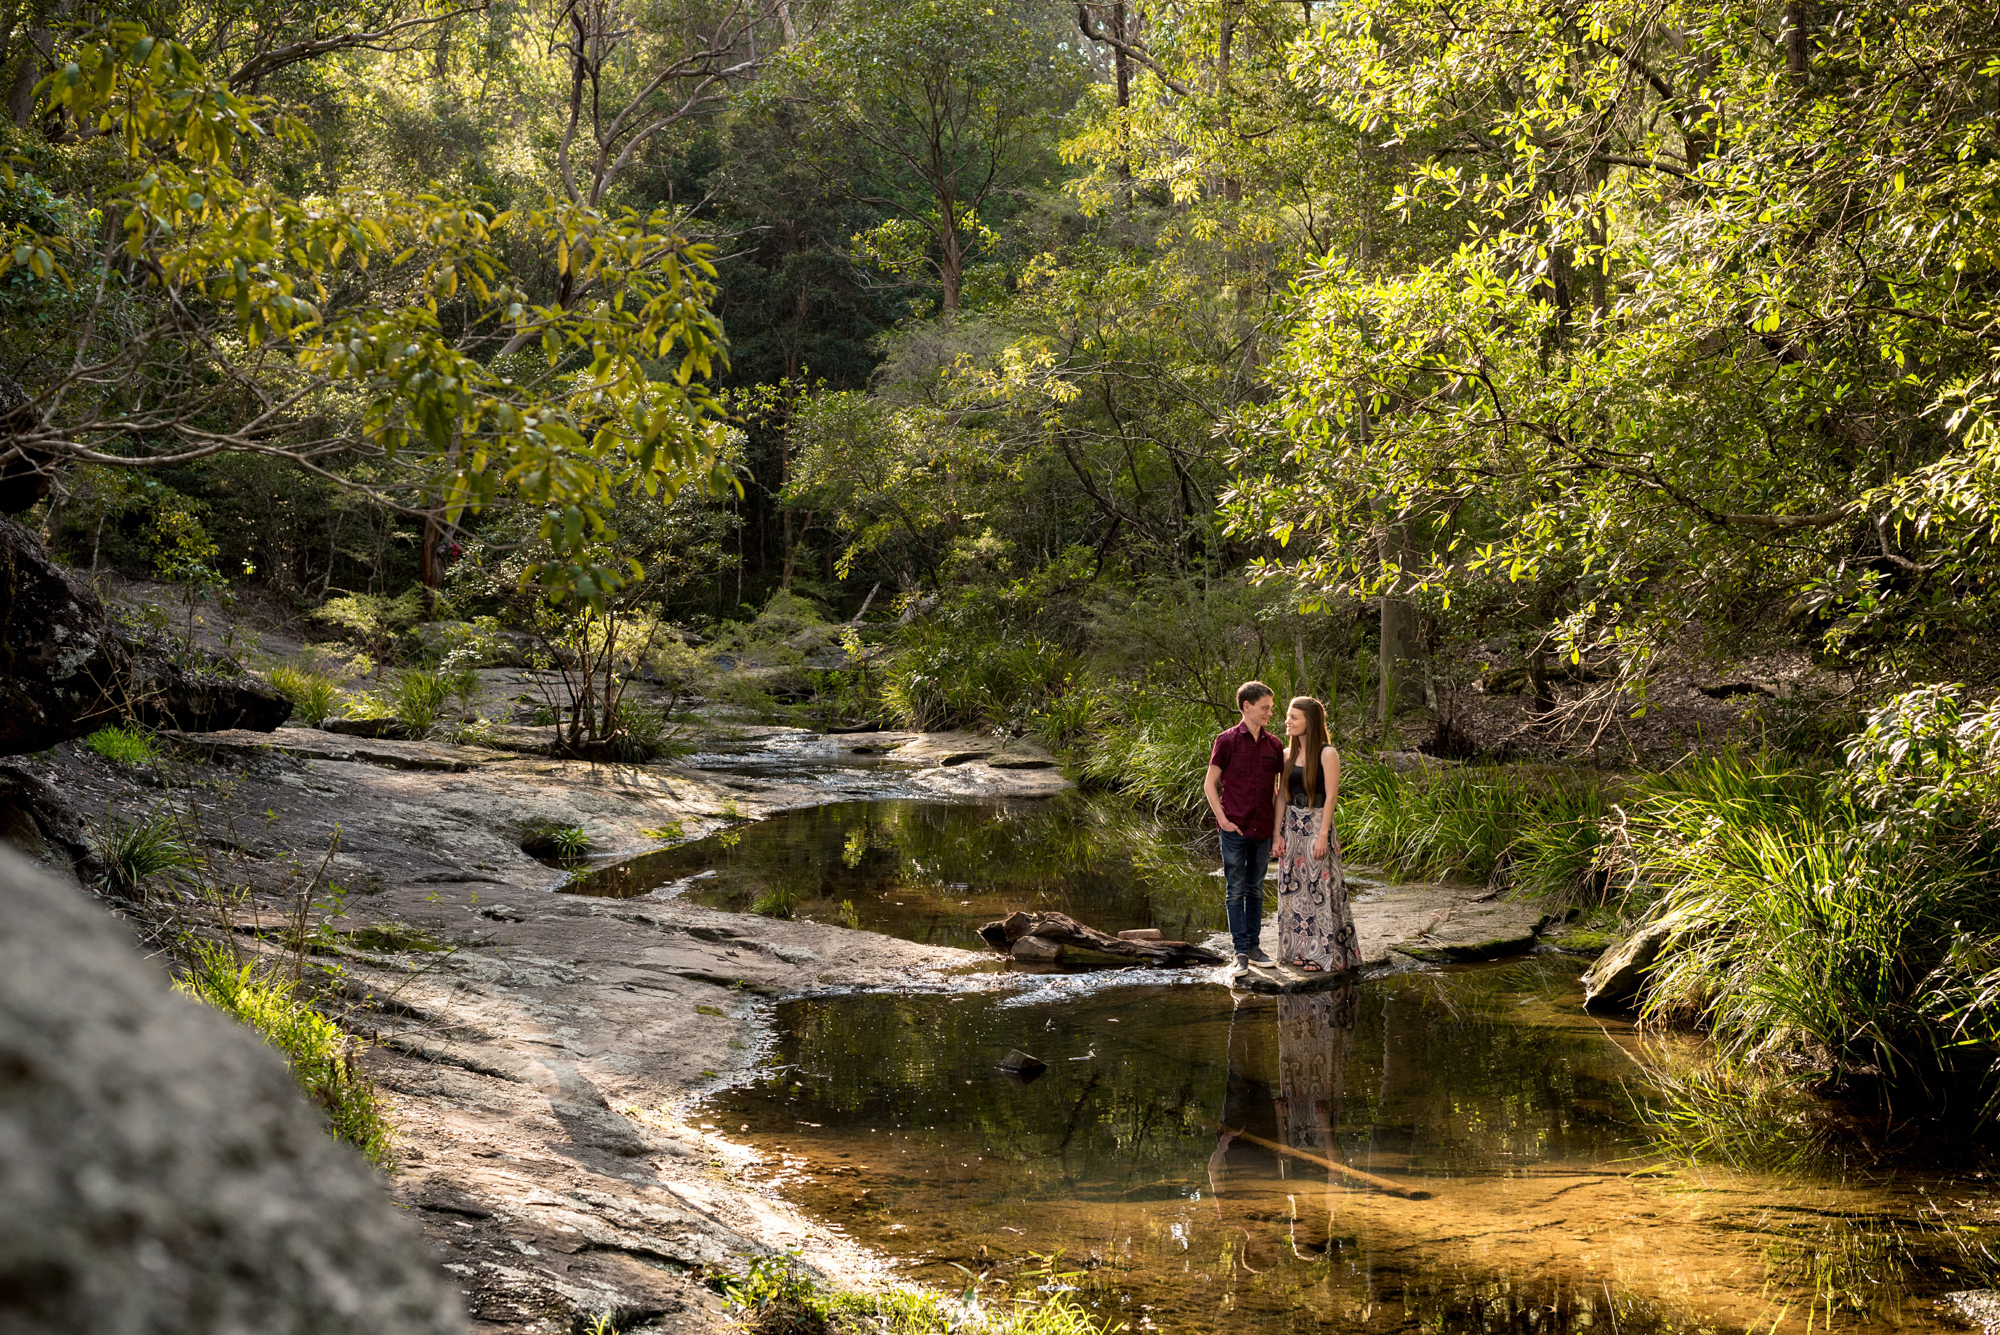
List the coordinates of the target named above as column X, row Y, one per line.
column 1717, row 349
column 931, row 111
column 209, row 313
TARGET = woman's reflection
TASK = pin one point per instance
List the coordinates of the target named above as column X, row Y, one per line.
column 1275, row 1141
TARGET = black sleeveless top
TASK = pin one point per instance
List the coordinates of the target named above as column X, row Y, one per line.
column 1295, row 788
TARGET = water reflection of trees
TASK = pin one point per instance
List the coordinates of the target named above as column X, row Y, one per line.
column 932, row 871
column 1421, row 1074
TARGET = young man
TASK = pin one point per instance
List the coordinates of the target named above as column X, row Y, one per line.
column 1243, row 769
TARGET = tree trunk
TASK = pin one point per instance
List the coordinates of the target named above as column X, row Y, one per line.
column 1121, row 74
column 1400, row 688
column 1798, row 48
column 429, row 568
column 951, row 266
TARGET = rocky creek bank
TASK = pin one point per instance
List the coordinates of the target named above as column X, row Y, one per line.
column 544, row 1055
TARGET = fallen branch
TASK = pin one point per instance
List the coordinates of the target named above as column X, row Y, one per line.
column 1041, row 936
column 1354, row 1175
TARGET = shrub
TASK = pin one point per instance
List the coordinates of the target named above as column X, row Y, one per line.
column 135, row 851
column 312, row 693
column 122, row 746
column 322, row 1058
column 947, row 678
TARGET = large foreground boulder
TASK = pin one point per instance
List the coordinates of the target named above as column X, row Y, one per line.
column 159, row 1171
column 66, row 672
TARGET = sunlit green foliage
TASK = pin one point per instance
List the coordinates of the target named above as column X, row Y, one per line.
column 322, row 1058
column 122, row 746
column 1717, row 349
column 313, row 694
column 299, row 329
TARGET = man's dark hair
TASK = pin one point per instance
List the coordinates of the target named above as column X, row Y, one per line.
column 1250, row 692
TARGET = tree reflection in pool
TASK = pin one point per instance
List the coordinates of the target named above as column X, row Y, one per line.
column 1489, row 1087
column 933, row 872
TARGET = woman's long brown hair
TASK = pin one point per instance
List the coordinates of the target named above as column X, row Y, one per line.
column 1314, row 741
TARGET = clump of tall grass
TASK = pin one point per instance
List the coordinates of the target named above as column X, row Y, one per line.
column 313, row 694
column 1154, row 751
column 135, row 851
column 123, row 746
column 1540, row 829
column 642, row 733
column 777, row 902
column 1850, row 920
column 416, row 697
column 322, row 1058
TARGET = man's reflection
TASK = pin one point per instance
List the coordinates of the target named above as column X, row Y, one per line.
column 1270, row 1173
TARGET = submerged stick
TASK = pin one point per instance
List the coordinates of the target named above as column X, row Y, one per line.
column 1351, row 1174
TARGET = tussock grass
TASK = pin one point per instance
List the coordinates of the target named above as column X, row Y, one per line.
column 321, row 1057
column 950, row 678
column 1803, row 927
column 1156, row 754
column 313, row 694
column 416, row 698
column 140, row 849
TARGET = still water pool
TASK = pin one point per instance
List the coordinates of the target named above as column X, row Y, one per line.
column 1184, row 1150
column 933, row 872
column 1187, row 1151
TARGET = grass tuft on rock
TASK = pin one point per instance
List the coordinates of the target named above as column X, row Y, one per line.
column 123, row 746
column 313, row 694
column 140, row 849
column 322, row 1058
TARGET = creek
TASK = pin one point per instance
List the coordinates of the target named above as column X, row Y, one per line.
column 1182, row 1157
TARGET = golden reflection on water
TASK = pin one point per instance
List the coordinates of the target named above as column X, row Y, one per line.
column 1145, row 1156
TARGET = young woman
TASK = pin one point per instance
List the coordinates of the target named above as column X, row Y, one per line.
column 1315, row 928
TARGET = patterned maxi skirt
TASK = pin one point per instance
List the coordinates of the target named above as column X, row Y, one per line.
column 1313, row 919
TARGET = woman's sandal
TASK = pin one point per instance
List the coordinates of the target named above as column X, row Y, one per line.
column 1307, row 966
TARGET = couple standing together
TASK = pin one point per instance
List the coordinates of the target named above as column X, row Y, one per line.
column 1276, row 799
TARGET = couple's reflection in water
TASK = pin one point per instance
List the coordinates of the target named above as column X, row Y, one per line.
column 1271, row 1176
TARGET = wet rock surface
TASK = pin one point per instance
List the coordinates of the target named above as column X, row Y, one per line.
column 1977, row 1308
column 1620, row 972
column 159, row 1170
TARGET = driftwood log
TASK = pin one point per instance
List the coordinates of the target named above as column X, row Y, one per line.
column 1040, row 938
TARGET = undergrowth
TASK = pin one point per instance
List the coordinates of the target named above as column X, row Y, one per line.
column 321, row 1057
column 313, row 694
column 777, row 1297
column 136, row 850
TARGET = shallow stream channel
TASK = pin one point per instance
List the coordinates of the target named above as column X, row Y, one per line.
column 1450, row 1149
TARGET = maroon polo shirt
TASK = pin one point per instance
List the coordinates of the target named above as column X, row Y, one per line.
column 1250, row 769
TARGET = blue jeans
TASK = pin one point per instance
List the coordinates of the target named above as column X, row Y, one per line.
column 1243, row 864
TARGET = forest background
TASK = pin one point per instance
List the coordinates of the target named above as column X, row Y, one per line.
column 1053, row 368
